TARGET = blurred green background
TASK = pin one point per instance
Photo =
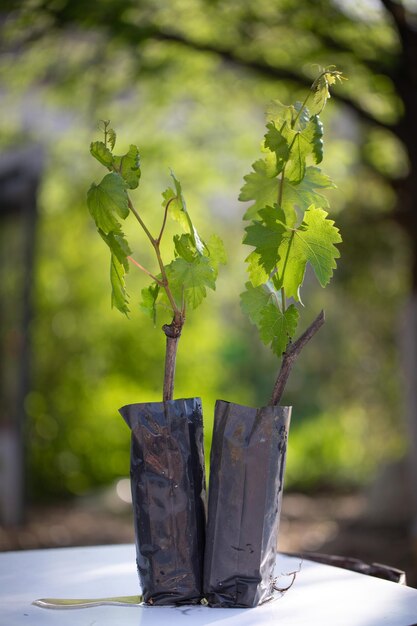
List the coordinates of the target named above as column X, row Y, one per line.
column 188, row 81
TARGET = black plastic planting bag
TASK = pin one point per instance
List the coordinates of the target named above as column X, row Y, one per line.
column 246, row 478
column 169, row 498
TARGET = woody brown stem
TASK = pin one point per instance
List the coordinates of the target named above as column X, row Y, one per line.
column 290, row 356
column 173, row 333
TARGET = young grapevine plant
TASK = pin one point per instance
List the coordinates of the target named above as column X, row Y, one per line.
column 289, row 225
column 176, row 285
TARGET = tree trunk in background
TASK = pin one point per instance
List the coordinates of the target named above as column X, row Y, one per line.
column 409, row 361
column 406, row 83
column 20, row 173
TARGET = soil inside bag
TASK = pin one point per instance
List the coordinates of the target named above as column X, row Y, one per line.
column 169, row 498
column 246, row 479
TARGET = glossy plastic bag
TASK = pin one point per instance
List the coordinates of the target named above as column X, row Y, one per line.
column 246, row 478
column 169, row 498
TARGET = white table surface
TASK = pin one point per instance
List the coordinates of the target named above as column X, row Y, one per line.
column 322, row 595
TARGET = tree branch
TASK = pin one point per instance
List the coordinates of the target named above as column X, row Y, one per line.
column 135, row 35
column 270, row 71
column 330, row 41
column 397, row 12
column 290, row 356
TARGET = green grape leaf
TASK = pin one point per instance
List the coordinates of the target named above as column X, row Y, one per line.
column 317, row 180
column 305, row 193
column 100, row 152
column 260, row 187
column 276, row 142
column 149, row 299
column 184, row 247
column 175, row 207
column 321, row 89
column 306, row 142
column 272, row 165
column 254, row 300
column 277, row 328
column 321, row 95
column 128, row 166
column 296, row 167
column 216, row 252
column 313, row 135
column 282, row 246
column 106, row 200
column 256, row 272
column 118, row 246
column 266, row 236
column 111, row 137
column 274, row 111
column 169, row 196
column 312, row 242
column 279, row 114
column 304, row 116
column 190, row 279
column 119, row 266
column 119, row 297
column 178, row 211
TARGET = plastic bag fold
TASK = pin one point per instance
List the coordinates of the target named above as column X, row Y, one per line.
column 169, row 498
column 247, row 466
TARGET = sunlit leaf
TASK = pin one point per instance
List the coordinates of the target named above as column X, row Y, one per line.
column 111, row 137
column 276, row 142
column 256, row 272
column 119, row 266
column 321, row 95
column 321, row 89
column 273, row 165
column 254, row 300
column 277, row 328
column 149, row 299
column 260, row 188
column 306, row 143
column 303, row 115
column 118, row 246
column 107, row 200
column 184, row 247
column 119, row 297
column 216, row 251
column 296, row 167
column 313, row 133
column 279, row 113
column 178, row 211
column 128, row 166
column 306, row 192
column 313, row 242
column 100, row 152
column 265, row 236
column 190, row 279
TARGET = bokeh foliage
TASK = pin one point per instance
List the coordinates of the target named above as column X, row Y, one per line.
column 65, row 65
